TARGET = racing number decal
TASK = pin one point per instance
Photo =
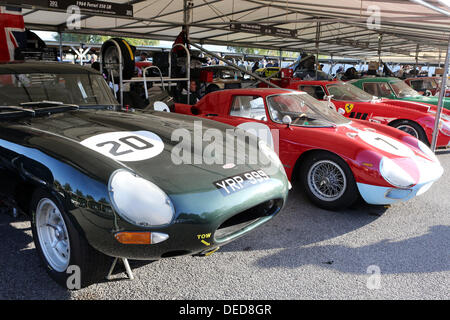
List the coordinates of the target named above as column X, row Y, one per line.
column 349, row 107
column 126, row 140
column 126, row 146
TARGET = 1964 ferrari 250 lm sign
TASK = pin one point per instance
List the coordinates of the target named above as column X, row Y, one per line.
column 100, row 183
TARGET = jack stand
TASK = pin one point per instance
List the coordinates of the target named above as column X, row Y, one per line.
column 127, row 269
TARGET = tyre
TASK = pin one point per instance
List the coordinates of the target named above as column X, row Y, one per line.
column 61, row 247
column 411, row 128
column 110, row 58
column 328, row 181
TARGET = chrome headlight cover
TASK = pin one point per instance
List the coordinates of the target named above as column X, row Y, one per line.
column 138, row 200
column 444, row 127
column 394, row 174
column 425, row 149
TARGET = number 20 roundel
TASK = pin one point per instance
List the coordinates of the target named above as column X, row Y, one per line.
column 126, row 146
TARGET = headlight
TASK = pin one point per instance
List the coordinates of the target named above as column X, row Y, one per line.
column 424, row 148
column 394, row 174
column 139, row 201
column 444, row 127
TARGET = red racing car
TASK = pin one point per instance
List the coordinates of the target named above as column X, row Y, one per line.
column 424, row 84
column 336, row 159
column 414, row 118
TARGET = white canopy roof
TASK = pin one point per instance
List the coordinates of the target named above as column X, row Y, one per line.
column 341, row 26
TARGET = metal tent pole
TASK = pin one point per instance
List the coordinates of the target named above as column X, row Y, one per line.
column 187, row 8
column 417, row 60
column 380, row 40
column 60, row 47
column 441, row 99
column 317, row 47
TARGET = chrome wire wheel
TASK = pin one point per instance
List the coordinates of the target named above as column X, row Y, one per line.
column 409, row 130
column 52, row 234
column 326, row 180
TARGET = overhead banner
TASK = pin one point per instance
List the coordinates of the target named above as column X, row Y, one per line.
column 85, row 6
column 263, row 29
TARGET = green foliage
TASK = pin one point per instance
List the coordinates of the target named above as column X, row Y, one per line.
column 97, row 39
column 263, row 52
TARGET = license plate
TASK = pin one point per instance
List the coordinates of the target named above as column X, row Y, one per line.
column 241, row 181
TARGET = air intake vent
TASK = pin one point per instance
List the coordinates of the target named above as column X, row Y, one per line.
column 247, row 217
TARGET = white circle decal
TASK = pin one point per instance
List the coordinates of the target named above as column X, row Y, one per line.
column 126, row 145
column 385, row 143
column 161, row 106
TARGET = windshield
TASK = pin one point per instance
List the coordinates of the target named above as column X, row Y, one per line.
column 304, row 110
column 347, row 92
column 423, row 84
column 402, row 90
column 79, row 89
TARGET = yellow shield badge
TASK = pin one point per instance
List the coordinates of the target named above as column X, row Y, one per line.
column 349, row 107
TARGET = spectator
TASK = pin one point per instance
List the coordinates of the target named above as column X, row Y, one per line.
column 194, row 97
column 142, row 57
column 255, row 66
column 350, row 74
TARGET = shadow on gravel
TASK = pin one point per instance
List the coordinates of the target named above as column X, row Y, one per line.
column 425, row 253
column 442, row 151
column 21, row 274
column 301, row 223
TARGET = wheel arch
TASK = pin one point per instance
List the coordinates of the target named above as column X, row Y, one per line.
column 305, row 155
column 396, row 121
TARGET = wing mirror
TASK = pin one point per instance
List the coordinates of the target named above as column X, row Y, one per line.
column 328, row 98
column 287, row 120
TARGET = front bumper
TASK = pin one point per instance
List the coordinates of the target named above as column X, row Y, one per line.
column 388, row 195
column 429, row 173
column 204, row 221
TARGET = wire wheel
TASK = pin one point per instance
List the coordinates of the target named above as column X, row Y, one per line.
column 52, row 234
column 409, row 130
column 326, row 180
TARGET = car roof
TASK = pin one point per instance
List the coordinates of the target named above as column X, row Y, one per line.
column 44, row 67
column 255, row 91
column 375, row 79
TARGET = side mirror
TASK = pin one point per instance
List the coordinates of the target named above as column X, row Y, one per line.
column 287, row 120
column 328, row 98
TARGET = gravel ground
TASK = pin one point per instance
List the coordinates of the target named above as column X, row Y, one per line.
column 304, row 253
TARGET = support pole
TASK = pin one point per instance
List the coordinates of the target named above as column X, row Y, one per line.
column 234, row 65
column 187, row 8
column 417, row 60
column 441, row 99
column 380, row 40
column 60, row 47
column 317, row 47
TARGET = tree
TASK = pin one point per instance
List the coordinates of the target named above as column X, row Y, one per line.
column 91, row 38
column 263, row 52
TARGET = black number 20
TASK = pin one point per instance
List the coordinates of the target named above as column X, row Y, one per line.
column 126, row 140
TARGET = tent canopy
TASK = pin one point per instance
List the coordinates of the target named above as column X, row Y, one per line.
column 339, row 28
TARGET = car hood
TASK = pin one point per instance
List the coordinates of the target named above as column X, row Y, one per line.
column 69, row 136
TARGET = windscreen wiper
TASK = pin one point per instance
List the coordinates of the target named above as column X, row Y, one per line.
column 10, row 112
column 45, row 106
